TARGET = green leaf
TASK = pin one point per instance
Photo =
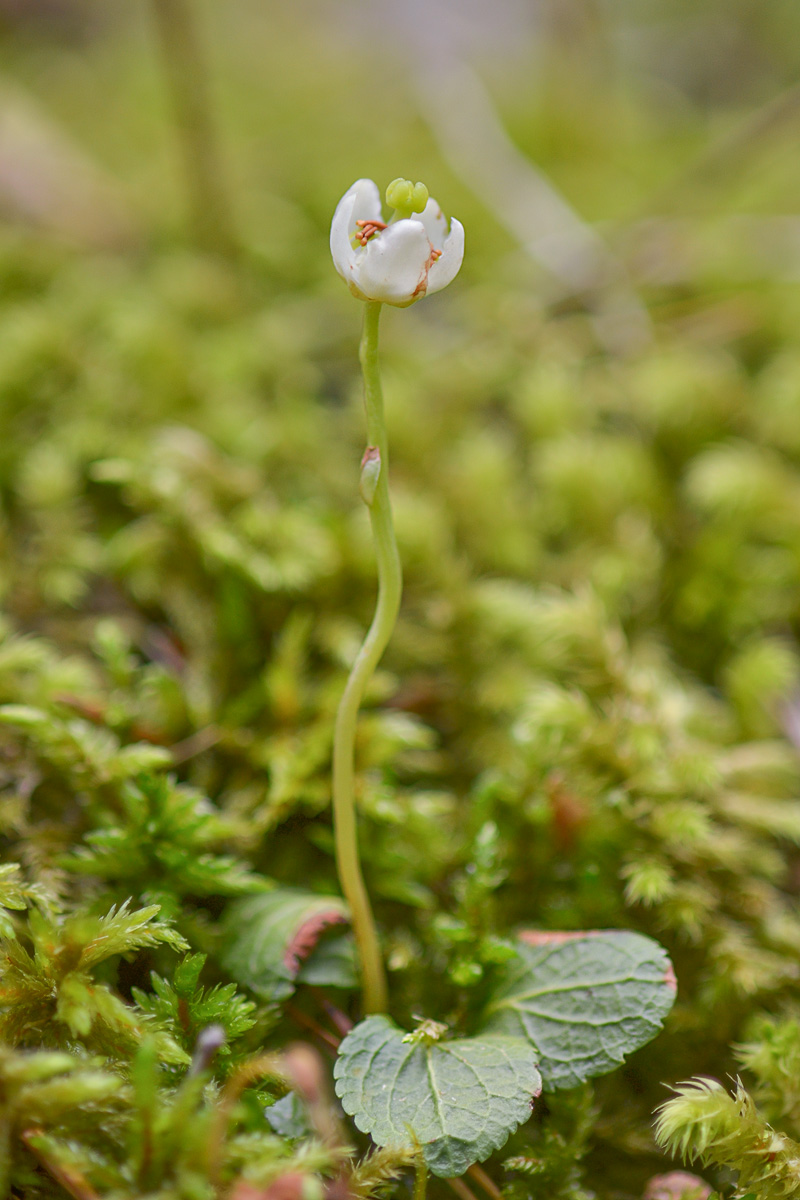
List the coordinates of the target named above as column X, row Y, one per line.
column 583, row 1000
column 458, row 1100
column 267, row 938
column 288, row 1117
column 332, row 963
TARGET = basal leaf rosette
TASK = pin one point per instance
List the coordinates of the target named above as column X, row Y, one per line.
column 583, row 1000
column 458, row 1100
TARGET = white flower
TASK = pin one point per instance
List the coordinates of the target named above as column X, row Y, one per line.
column 400, row 262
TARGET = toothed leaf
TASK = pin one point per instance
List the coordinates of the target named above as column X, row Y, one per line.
column 332, row 963
column 584, row 1000
column 269, row 937
column 459, row 1100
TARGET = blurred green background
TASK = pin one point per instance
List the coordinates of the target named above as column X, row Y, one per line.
column 627, row 175
column 588, row 714
column 634, row 111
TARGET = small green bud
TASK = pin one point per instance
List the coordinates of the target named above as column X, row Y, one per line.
column 406, row 197
column 426, row 1033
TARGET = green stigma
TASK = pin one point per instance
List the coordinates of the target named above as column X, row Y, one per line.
column 406, row 197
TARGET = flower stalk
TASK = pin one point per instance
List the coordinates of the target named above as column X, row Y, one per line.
column 415, row 253
column 375, row 484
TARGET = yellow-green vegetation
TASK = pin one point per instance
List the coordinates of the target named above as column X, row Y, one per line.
column 588, row 716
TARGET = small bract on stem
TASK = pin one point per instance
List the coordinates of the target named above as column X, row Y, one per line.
column 393, row 262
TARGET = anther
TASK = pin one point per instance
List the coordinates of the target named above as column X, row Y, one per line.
column 366, row 230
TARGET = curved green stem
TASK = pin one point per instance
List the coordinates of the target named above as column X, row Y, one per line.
column 390, row 583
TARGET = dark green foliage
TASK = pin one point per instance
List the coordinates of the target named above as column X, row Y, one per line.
column 52, row 1088
column 552, row 1165
column 772, row 1056
column 84, row 755
column 48, row 991
column 163, row 838
column 181, row 1142
column 17, row 895
column 185, row 1008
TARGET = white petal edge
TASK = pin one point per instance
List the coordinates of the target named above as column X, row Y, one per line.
column 394, row 265
column 445, row 269
column 361, row 202
column 435, row 223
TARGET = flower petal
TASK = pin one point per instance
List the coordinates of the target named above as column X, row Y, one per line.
column 445, row 269
column 361, row 202
column 394, row 266
column 435, row 223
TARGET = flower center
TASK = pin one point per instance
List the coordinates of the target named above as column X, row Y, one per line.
column 366, row 230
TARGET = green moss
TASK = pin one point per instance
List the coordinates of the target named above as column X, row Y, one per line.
column 581, row 721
